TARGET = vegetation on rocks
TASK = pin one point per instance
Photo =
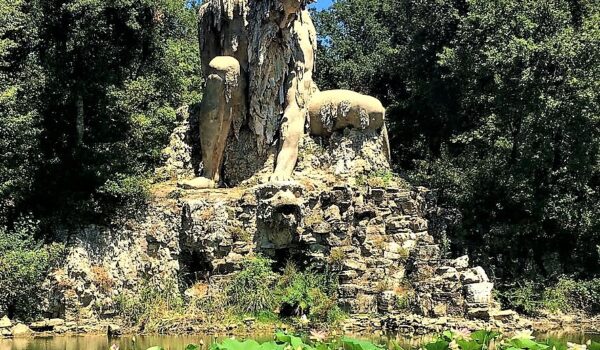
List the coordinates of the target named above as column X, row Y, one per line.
column 24, row 263
column 255, row 291
column 568, row 296
column 494, row 106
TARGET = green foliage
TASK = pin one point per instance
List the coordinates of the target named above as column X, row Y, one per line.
column 567, row 295
column 494, row 105
column 479, row 340
column 285, row 341
column 380, row 178
column 251, row 290
column 20, row 79
column 309, row 293
column 524, row 298
column 24, row 265
column 259, row 291
column 150, row 306
column 88, row 93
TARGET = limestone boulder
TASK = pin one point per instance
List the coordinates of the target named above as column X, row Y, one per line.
column 474, row 275
column 21, row 330
column 5, row 322
column 479, row 293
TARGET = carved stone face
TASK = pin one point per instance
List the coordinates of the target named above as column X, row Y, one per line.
column 292, row 6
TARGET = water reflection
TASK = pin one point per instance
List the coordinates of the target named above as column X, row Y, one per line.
column 180, row 342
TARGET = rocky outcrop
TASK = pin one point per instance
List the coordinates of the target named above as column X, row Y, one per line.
column 345, row 211
column 374, row 239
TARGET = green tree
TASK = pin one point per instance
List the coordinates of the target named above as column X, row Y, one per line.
column 21, row 80
column 495, row 106
column 24, row 265
column 116, row 73
column 525, row 175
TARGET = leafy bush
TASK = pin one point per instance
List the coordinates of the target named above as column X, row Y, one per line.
column 129, row 191
column 309, row 293
column 524, row 298
column 251, row 290
column 567, row 295
column 24, row 264
column 150, row 305
column 573, row 296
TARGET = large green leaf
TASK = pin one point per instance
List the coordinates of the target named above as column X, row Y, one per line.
column 438, row 345
column 528, row 344
column 484, row 337
column 448, row 335
column 593, row 346
column 295, row 342
column 192, row 347
column 156, row 348
column 469, row 344
column 354, row 344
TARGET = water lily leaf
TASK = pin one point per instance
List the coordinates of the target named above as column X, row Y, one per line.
column 438, row 345
column 295, row 342
column 469, row 345
column 156, row 348
column 192, row 347
column 594, row 346
column 527, row 344
column 355, row 344
column 484, row 337
column 233, row 344
column 448, row 335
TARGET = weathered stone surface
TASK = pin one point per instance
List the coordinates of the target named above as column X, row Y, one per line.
column 460, row 263
column 21, row 330
column 474, row 275
column 479, row 293
column 5, row 322
column 204, row 236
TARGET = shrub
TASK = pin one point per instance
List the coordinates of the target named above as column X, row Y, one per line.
column 567, row 295
column 150, row 305
column 524, row 298
column 128, row 191
column 573, row 296
column 308, row 293
column 24, row 265
column 240, row 234
column 251, row 290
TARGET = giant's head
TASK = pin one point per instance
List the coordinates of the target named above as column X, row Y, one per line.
column 292, row 8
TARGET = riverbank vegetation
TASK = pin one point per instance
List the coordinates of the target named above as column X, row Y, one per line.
column 255, row 293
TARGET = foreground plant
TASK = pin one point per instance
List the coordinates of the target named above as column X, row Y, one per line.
column 448, row 340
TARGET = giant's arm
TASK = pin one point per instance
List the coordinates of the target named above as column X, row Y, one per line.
column 300, row 88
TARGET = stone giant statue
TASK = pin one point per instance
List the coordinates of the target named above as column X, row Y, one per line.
column 258, row 58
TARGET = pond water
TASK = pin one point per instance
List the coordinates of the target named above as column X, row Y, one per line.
column 180, row 342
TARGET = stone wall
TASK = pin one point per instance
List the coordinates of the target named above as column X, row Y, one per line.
column 375, row 239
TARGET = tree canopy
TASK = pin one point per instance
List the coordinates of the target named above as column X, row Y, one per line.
column 88, row 96
column 495, row 106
